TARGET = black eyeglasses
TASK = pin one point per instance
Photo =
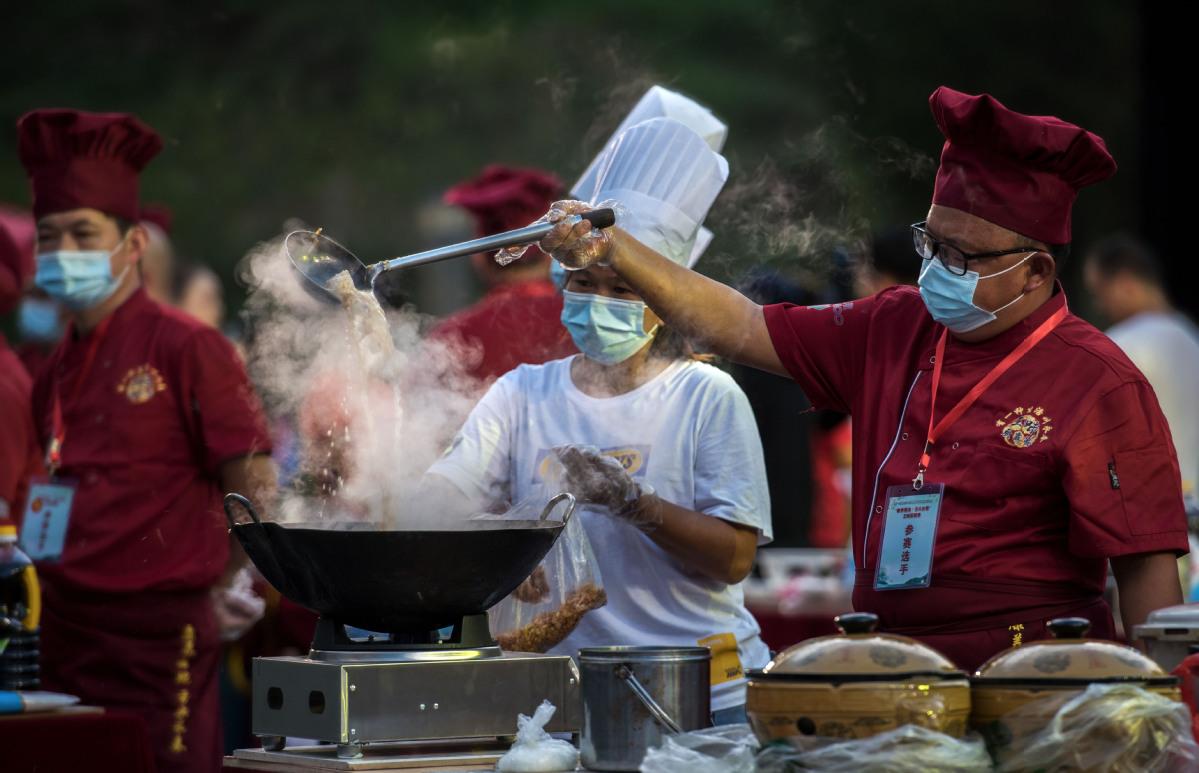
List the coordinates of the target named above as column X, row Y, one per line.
column 928, row 247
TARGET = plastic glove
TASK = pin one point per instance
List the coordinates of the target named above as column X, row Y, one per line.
column 571, row 243
column 236, row 606
column 602, row 480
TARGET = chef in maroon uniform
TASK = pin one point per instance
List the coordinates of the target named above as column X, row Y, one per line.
column 19, row 453
column 1004, row 450
column 146, row 417
column 517, row 321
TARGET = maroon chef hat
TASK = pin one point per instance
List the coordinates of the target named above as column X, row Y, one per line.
column 502, row 198
column 1018, row 171
column 17, row 236
column 160, row 215
column 76, row 159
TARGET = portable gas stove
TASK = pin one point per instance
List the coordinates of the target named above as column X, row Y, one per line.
column 407, row 695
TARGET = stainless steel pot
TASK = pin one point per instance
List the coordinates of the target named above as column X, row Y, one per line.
column 1170, row 633
column 632, row 696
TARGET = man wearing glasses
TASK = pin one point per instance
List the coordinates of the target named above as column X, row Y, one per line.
column 1004, row 449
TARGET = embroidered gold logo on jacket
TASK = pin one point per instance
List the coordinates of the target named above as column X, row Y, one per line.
column 1025, row 426
column 141, row 383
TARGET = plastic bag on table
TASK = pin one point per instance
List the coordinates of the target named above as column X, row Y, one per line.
column 535, row 750
column 1121, row 728
column 550, row 603
column 724, row 749
column 906, row 749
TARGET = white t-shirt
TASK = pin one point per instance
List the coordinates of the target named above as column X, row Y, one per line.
column 1165, row 347
column 690, row 433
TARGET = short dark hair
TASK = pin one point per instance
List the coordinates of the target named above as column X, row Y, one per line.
column 1124, row 253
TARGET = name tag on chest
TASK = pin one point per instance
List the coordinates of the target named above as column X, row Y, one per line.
column 905, row 561
column 47, row 516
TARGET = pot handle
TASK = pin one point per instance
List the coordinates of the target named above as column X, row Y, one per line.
column 550, row 505
column 230, row 500
column 657, row 712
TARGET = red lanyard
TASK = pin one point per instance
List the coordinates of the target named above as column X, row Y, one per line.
column 964, row 404
column 58, row 430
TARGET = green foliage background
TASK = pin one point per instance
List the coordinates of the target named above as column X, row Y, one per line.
column 357, row 115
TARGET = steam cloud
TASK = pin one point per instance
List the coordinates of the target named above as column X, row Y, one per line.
column 372, row 401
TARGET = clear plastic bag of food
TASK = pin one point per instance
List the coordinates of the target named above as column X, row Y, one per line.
column 906, row 749
column 723, row 749
column 553, row 600
column 1120, row 728
column 535, row 750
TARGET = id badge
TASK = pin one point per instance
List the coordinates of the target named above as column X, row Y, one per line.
column 909, row 536
column 47, row 516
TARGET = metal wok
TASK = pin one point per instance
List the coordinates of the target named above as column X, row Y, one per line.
column 401, row 582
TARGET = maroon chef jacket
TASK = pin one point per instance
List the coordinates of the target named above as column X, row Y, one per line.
column 1064, row 462
column 20, row 457
column 167, row 402
column 128, row 616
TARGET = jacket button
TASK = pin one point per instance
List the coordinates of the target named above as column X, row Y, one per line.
column 904, row 436
column 955, row 445
column 878, row 508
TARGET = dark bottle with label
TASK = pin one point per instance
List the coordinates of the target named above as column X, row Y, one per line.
column 20, row 610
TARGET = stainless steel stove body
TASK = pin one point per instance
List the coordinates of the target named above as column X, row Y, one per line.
column 353, row 699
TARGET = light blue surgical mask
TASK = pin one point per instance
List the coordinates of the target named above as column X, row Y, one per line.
column 607, row 330
column 38, row 320
column 558, row 274
column 950, row 298
column 78, row 279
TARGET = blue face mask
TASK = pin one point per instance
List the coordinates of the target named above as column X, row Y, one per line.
column 558, row 274
column 607, row 330
column 38, row 320
column 78, row 279
column 950, row 298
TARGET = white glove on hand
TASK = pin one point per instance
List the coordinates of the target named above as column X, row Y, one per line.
column 237, row 607
column 602, row 480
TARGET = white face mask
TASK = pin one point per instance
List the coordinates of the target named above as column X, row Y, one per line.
column 950, row 298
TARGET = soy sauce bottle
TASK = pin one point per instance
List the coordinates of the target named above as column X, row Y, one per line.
column 20, row 609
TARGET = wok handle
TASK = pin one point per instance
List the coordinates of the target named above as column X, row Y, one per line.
column 659, row 714
column 550, row 505
column 230, row 500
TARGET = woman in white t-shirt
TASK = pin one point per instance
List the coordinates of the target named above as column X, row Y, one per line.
column 676, row 522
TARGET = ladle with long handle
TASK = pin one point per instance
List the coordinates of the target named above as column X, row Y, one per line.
column 320, row 258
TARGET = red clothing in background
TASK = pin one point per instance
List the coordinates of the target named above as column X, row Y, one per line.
column 128, row 616
column 1029, row 517
column 20, row 457
column 513, row 324
column 830, row 497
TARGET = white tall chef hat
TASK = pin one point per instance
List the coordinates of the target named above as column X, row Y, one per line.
column 659, row 102
column 666, row 177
